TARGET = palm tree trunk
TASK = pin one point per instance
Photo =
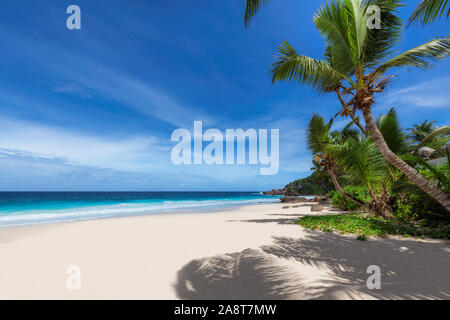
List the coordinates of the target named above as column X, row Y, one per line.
column 378, row 205
column 401, row 165
column 340, row 189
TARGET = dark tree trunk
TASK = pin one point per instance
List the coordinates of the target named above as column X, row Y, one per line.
column 379, row 206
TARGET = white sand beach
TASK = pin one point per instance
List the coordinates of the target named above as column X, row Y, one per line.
column 250, row 252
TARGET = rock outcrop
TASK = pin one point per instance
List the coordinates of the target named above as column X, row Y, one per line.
column 316, row 208
column 291, row 199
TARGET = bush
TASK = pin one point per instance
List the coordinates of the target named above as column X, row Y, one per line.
column 365, row 226
column 440, row 175
column 315, row 184
column 415, row 204
column 359, row 192
column 403, row 210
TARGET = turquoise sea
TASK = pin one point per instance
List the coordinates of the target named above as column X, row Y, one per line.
column 25, row 208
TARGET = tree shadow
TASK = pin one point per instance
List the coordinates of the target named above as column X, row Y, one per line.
column 321, row 266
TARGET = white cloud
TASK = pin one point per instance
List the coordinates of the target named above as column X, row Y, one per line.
column 430, row 94
column 72, row 88
column 134, row 153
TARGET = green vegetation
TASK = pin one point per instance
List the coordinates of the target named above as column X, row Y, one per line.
column 429, row 10
column 359, row 192
column 317, row 183
column 356, row 66
column 374, row 166
column 365, row 226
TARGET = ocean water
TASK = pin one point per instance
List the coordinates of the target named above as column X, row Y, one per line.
column 26, row 208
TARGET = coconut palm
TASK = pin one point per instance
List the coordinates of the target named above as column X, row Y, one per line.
column 426, row 11
column 419, row 131
column 396, row 141
column 356, row 65
column 360, row 158
column 444, row 130
column 429, row 10
column 320, row 144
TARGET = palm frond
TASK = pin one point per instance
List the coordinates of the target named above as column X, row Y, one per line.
column 252, row 8
column 290, row 66
column 317, row 134
column 420, row 56
column 333, row 23
column 363, row 161
column 429, row 11
column 358, row 31
column 391, row 131
column 444, row 129
column 419, row 131
column 381, row 41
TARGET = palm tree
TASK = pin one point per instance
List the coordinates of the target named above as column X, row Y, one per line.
column 320, row 143
column 361, row 159
column 396, row 141
column 358, row 156
column 357, row 59
column 419, row 131
column 429, row 10
column 433, row 134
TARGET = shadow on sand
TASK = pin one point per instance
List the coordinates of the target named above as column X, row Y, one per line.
column 321, row 266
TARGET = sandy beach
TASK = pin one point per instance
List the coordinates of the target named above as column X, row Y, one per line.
column 249, row 252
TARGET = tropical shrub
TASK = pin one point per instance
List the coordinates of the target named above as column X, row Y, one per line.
column 412, row 204
column 318, row 183
column 359, row 192
column 439, row 174
column 403, row 209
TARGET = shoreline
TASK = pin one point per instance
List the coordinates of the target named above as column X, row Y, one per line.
column 194, row 212
column 204, row 208
column 159, row 257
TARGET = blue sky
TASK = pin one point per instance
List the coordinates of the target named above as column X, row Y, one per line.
column 94, row 109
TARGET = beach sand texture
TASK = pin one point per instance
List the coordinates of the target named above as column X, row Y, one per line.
column 252, row 252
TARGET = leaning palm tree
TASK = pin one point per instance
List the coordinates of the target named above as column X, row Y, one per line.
column 356, row 65
column 320, row 144
column 430, row 10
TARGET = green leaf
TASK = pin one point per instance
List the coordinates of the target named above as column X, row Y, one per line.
column 290, row 66
column 420, row 56
column 429, row 11
column 252, row 8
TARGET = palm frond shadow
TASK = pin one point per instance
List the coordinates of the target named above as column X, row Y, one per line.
column 321, row 266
